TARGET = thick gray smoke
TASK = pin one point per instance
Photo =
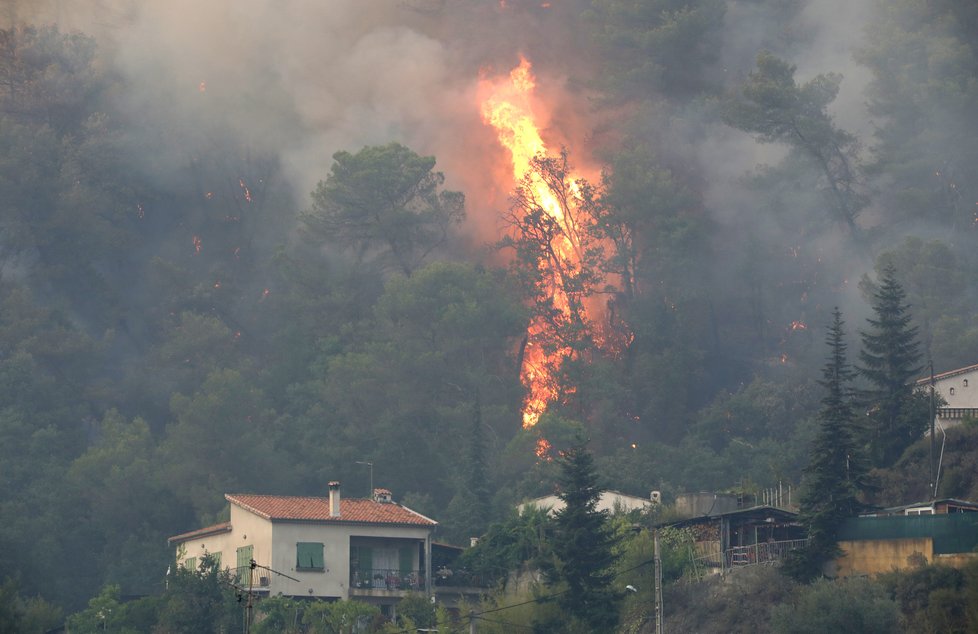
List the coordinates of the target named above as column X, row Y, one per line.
column 302, row 79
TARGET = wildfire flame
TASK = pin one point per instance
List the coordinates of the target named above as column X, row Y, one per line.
column 508, row 106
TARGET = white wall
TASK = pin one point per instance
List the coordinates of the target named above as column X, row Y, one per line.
column 964, row 387
column 275, row 547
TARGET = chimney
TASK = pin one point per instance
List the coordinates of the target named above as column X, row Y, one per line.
column 334, row 499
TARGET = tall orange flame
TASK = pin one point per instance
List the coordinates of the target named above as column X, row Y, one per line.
column 509, row 109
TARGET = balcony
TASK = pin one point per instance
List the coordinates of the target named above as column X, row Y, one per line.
column 386, row 579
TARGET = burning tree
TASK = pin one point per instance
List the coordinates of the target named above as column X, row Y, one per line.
column 561, row 256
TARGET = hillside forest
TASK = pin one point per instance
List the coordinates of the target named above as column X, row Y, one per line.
column 253, row 246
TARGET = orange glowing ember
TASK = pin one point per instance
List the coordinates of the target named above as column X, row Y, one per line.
column 542, row 450
column 197, row 244
column 244, row 188
column 798, row 325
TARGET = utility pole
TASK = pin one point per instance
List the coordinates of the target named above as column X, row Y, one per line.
column 471, row 621
column 657, row 559
column 933, row 415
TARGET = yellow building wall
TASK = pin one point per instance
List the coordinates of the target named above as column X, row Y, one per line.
column 872, row 557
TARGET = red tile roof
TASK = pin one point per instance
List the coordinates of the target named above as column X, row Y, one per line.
column 316, row 509
column 223, row 527
column 946, row 375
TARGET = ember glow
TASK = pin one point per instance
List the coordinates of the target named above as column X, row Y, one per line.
column 244, row 188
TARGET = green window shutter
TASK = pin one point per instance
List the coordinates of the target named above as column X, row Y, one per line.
column 243, row 569
column 190, row 563
column 309, row 556
column 217, row 559
column 406, row 560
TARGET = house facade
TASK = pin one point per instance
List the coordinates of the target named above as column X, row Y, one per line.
column 374, row 550
column 942, row 531
column 959, row 390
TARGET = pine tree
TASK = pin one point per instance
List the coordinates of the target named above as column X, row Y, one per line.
column 583, row 545
column 836, row 473
column 890, row 359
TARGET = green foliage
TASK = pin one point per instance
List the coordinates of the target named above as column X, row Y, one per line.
column 201, row 600
column 384, row 202
column 837, row 472
column 583, row 546
column 739, row 603
column 335, row 617
column 663, row 46
column 522, row 540
column 417, row 611
column 855, row 605
column 19, row 614
column 889, row 361
column 343, row 617
column 775, row 108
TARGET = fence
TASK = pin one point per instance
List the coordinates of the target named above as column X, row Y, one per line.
column 707, row 556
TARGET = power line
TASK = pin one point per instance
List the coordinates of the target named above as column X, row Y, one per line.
column 510, row 623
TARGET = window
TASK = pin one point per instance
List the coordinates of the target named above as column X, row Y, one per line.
column 190, row 563
column 964, row 383
column 215, row 559
column 309, row 556
column 951, row 391
column 243, row 568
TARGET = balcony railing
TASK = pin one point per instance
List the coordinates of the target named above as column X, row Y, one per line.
column 386, row 579
column 447, row 578
column 708, row 557
column 763, row 553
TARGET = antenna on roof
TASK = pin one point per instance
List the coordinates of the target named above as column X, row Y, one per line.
column 371, row 465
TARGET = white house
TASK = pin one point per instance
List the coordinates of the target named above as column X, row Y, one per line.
column 959, row 389
column 610, row 501
column 328, row 547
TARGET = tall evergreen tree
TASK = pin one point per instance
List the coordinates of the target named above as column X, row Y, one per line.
column 583, row 545
column 836, row 473
column 890, row 358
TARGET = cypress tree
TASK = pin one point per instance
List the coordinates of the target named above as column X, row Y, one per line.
column 890, row 358
column 583, row 545
column 836, row 473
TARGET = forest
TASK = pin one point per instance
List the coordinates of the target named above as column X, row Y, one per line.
column 255, row 246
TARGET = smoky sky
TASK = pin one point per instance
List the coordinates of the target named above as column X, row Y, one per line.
column 302, row 79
